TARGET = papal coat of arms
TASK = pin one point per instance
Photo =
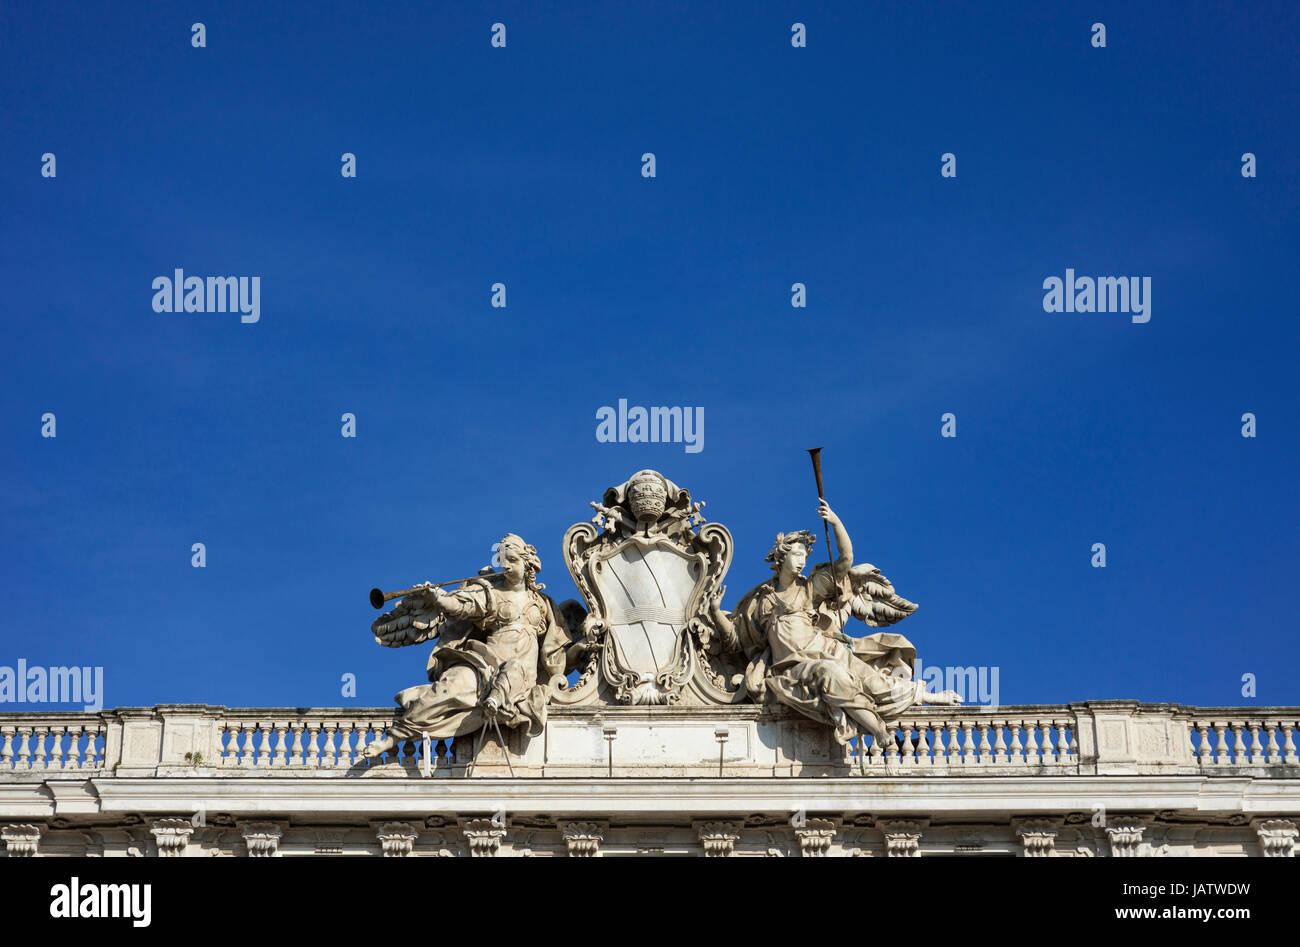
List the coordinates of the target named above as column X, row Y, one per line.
column 648, row 576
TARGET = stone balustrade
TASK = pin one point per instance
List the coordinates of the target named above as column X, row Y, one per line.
column 315, row 739
column 1232, row 740
column 1039, row 737
column 46, row 742
column 1110, row 777
column 1092, row 737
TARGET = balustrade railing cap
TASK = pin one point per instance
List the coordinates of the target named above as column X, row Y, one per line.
column 161, row 709
column 1122, row 703
column 309, row 711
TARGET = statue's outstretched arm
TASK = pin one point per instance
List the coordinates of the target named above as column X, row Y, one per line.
column 470, row 602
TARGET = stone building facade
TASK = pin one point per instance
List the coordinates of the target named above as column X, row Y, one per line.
column 1098, row 778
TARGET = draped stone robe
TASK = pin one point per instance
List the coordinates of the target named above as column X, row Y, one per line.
column 799, row 656
column 511, row 653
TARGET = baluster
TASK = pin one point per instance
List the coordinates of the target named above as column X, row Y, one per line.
column 1222, row 757
column 7, row 749
column 249, row 757
column 906, row 749
column 227, row 743
column 923, row 744
column 24, row 748
column 985, row 747
column 1272, row 743
column 266, row 745
column 328, row 748
column 968, row 757
column 94, row 757
column 1051, row 752
column 1205, row 751
column 891, row 746
column 231, row 757
column 39, row 758
column 875, row 753
column 345, row 743
column 55, row 759
column 1017, row 750
column 1239, row 757
column 88, row 733
column 241, row 740
column 281, row 755
column 74, row 750
column 930, row 742
column 1289, row 757
column 1033, row 755
column 313, row 744
column 952, row 752
column 1256, row 748
column 296, row 728
column 1053, row 742
column 363, row 740
column 346, row 729
column 344, row 758
column 1063, row 742
column 1000, row 752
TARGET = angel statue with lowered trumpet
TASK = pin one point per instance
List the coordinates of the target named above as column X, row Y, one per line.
column 501, row 644
column 790, row 630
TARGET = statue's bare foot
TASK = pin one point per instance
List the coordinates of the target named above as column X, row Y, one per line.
column 379, row 747
column 880, row 737
column 950, row 698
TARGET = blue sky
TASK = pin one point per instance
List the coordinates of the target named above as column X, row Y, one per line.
column 774, row 165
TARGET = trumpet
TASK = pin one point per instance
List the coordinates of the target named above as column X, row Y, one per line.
column 379, row 598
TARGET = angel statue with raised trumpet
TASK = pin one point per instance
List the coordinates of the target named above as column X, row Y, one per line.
column 790, row 630
column 501, row 644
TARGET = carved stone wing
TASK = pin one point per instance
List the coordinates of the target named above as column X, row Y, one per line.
column 412, row 622
column 874, row 599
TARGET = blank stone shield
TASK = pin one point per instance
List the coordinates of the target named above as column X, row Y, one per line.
column 646, row 577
